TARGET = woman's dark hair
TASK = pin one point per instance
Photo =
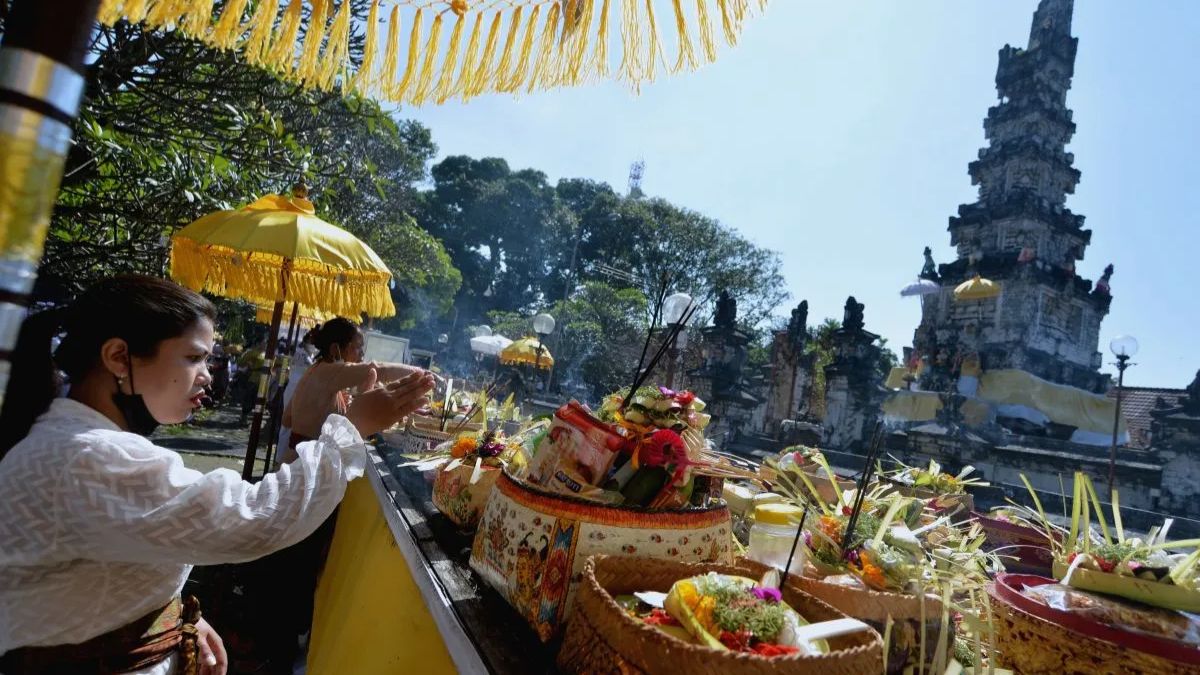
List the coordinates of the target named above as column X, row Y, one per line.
column 339, row 331
column 143, row 311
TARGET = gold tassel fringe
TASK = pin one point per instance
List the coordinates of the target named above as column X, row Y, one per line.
column 337, row 49
column 282, row 55
column 306, row 71
column 364, row 79
column 229, row 27
column 260, row 25
column 254, row 277
column 546, row 43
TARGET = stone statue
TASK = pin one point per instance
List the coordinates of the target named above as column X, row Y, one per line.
column 1191, row 400
column 726, row 315
column 929, row 271
column 798, row 324
column 852, row 318
column 1102, row 286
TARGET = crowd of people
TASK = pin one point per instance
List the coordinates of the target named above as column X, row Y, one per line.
column 100, row 528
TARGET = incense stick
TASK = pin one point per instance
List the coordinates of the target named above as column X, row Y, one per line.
column 654, row 316
column 799, row 532
column 668, row 341
column 860, row 496
column 446, row 404
column 487, row 393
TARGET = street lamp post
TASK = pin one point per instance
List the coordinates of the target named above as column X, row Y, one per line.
column 543, row 325
column 442, row 341
column 1124, row 347
column 674, row 308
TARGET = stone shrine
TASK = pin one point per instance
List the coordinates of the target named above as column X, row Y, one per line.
column 1019, row 234
column 852, row 391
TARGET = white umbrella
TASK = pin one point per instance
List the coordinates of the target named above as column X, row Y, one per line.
column 489, row 345
column 920, row 287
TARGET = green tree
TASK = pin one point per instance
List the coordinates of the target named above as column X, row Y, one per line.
column 171, row 130
column 598, row 337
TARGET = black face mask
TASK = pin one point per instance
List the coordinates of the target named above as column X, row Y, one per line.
column 133, row 407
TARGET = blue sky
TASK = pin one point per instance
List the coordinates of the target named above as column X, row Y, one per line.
column 838, row 133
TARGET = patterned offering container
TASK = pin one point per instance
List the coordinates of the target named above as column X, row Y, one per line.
column 460, row 500
column 1034, row 638
column 532, row 544
column 603, row 638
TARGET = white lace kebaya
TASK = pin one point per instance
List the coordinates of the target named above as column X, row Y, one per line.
column 99, row 527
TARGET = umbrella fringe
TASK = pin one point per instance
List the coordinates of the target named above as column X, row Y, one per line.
column 556, row 43
column 256, row 278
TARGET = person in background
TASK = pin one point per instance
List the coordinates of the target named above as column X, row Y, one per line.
column 99, row 527
column 218, row 367
column 323, row 390
column 337, row 369
column 302, row 359
column 250, row 366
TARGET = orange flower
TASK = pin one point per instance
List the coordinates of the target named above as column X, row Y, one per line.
column 871, row 573
column 463, row 445
column 832, row 528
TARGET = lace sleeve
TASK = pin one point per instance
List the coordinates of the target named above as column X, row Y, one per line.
column 138, row 503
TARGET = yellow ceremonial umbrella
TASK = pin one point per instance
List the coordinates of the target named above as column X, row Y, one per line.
column 977, row 288
column 527, row 351
column 275, row 250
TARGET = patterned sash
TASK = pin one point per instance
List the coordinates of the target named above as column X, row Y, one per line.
column 134, row 646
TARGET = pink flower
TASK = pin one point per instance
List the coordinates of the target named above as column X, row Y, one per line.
column 767, row 593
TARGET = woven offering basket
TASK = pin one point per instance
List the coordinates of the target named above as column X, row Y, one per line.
column 460, row 500
column 874, row 607
column 602, row 638
column 1032, row 638
column 414, row 439
column 531, row 544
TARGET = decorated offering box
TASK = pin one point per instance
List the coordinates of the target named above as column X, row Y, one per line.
column 1043, row 627
column 467, row 466
column 690, row 633
column 532, row 544
column 461, row 493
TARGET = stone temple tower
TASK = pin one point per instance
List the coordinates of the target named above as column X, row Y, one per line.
column 1019, row 233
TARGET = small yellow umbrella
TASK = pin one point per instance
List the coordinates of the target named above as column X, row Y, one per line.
column 276, row 250
column 977, row 289
column 527, row 351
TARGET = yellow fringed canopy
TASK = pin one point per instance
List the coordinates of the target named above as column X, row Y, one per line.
column 525, row 352
column 976, row 288
column 242, row 254
column 306, row 317
column 431, row 51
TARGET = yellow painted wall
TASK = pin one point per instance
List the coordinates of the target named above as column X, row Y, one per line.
column 370, row 617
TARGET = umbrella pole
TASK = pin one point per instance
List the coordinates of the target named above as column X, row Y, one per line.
column 293, row 327
column 260, row 404
column 263, row 383
column 277, row 402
